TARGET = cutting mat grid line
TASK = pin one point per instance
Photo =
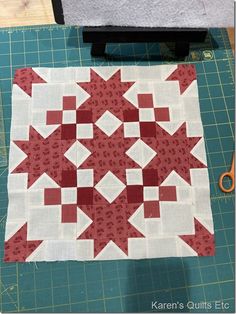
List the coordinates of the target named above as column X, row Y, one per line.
column 131, row 286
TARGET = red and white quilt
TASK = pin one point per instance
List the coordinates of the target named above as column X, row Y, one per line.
column 107, row 163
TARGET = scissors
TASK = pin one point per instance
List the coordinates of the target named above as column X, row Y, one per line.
column 229, row 174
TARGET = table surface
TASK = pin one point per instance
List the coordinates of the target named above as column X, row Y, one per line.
column 126, row 285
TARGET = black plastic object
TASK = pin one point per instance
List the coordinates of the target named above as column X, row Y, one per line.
column 101, row 35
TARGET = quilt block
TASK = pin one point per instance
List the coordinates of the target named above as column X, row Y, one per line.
column 107, row 163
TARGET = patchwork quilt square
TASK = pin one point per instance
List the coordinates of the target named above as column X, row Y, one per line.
column 107, row 163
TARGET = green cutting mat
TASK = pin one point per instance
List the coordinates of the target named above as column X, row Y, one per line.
column 127, row 285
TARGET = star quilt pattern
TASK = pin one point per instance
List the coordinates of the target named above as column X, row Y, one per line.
column 107, row 163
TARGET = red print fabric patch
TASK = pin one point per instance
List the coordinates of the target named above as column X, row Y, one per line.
column 107, row 164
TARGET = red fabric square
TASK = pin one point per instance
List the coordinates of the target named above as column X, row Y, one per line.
column 162, row 114
column 69, row 213
column 54, row 117
column 52, row 196
column 68, row 131
column 148, row 129
column 84, row 116
column 150, row 177
column 68, row 178
column 145, row 100
column 85, row 196
column 69, row 103
column 134, row 193
column 151, row 209
column 167, row 193
column 131, row 115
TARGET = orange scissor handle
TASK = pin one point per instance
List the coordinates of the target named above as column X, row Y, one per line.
column 229, row 174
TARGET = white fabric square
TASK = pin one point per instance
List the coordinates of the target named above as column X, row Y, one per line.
column 134, row 176
column 153, row 227
column 84, row 130
column 151, row 193
column 176, row 218
column 68, row 195
column 68, row 231
column 69, row 116
column 36, row 197
column 85, row 178
column 131, row 129
column 138, row 248
column 146, row 114
column 39, row 117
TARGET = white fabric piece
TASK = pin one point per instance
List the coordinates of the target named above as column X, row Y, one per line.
column 170, row 127
column 69, row 117
column 138, row 248
column 13, row 227
column 35, row 198
column 194, row 129
column 111, row 252
column 16, row 200
column 85, row 177
column 108, row 123
column 44, row 182
column 45, row 130
column 61, row 250
column 131, row 129
column 150, row 13
column 176, row 218
column 39, row 254
column 146, row 115
column 106, row 72
column 77, row 153
column 141, row 153
column 161, row 247
column 184, row 249
column 174, row 179
column 68, row 195
column 83, row 222
column 49, row 231
column 84, row 249
column 16, row 156
column 84, row 130
column 153, row 227
column 151, row 193
column 134, row 177
column 110, row 186
column 68, row 231
column 199, row 151
column 137, row 219
column 166, row 94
